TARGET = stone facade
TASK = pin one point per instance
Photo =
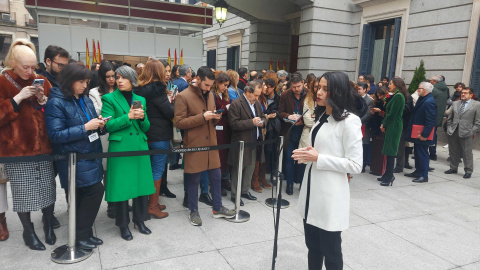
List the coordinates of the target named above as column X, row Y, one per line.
column 441, row 33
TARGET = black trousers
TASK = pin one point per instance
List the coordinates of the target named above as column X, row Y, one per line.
column 140, row 211
column 323, row 244
column 88, row 203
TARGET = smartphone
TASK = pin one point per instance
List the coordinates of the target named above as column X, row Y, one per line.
column 288, row 120
column 219, row 111
column 38, row 82
column 137, row 104
column 261, row 122
column 106, row 118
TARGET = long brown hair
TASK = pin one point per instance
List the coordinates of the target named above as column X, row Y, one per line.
column 233, row 78
column 154, row 71
column 311, row 93
column 400, row 84
column 222, row 77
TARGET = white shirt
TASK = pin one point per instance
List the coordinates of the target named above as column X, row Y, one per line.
column 252, row 108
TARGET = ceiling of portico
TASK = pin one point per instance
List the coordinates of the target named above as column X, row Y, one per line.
column 263, row 10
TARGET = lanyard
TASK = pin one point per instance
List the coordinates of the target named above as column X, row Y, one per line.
column 297, row 106
column 82, row 105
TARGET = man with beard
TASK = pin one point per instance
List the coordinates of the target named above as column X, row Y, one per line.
column 55, row 59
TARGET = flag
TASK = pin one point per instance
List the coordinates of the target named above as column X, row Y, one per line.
column 99, row 54
column 94, row 52
column 88, row 56
column 284, row 64
column 278, row 64
column 175, row 62
column 169, row 58
column 271, row 64
column 181, row 57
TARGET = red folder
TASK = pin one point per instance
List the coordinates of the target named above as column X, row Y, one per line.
column 363, row 131
column 417, row 130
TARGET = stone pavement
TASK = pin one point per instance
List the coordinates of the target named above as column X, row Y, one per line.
column 435, row 225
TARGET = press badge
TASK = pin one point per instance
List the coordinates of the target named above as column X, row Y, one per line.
column 93, row 137
column 218, row 127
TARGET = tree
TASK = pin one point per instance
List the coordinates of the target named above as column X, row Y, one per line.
column 418, row 77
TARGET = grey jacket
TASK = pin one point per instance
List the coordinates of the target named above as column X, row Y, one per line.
column 468, row 123
column 366, row 118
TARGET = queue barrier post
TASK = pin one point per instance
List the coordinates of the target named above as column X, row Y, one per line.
column 272, row 202
column 68, row 254
column 240, row 215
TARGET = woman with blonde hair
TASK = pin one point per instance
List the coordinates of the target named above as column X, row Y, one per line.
column 152, row 86
column 233, row 92
column 281, row 87
column 309, row 117
column 24, row 133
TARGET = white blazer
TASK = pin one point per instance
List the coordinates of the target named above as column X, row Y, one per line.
column 339, row 145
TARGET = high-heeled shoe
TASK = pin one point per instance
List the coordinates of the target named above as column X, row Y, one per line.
column 387, row 183
column 125, row 233
column 141, row 227
column 31, row 239
column 50, row 237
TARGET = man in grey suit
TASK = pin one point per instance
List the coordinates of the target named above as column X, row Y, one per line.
column 367, row 149
column 462, row 125
column 246, row 120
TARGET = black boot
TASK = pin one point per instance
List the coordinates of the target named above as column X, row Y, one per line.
column 50, row 237
column 206, row 199
column 141, row 227
column 31, row 239
column 164, row 191
column 111, row 210
column 125, row 233
column 185, row 200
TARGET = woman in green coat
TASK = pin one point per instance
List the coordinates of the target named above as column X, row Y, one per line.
column 127, row 177
column 392, row 126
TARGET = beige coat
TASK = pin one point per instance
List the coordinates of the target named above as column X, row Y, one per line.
column 189, row 109
column 308, row 121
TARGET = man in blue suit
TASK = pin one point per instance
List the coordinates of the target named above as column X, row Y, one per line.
column 185, row 73
column 424, row 113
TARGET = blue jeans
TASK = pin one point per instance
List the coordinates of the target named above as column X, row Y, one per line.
column 158, row 161
column 215, row 179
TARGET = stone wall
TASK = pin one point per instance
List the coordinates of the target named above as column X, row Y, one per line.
column 437, row 33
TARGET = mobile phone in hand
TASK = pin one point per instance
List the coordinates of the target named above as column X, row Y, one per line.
column 106, row 118
column 137, row 104
column 219, row 111
column 38, row 82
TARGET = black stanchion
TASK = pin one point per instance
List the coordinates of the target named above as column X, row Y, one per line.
column 272, row 202
column 67, row 254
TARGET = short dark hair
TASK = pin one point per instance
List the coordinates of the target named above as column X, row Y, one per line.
column 469, row 89
column 242, row 71
column 270, row 82
column 385, row 78
column 459, row 84
column 70, row 74
column 369, row 78
column 341, row 95
column 251, row 86
column 364, row 85
column 205, row 72
column 296, row 77
column 51, row 51
column 164, row 62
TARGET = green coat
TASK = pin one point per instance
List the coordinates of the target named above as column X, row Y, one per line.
column 127, row 177
column 440, row 94
column 393, row 124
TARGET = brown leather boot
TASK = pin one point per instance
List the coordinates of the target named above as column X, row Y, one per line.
column 255, row 185
column 3, row 227
column 153, row 209
column 261, row 176
column 160, row 206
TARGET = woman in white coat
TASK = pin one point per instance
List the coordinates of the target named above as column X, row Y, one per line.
column 335, row 149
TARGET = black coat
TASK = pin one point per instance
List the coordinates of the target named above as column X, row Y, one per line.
column 424, row 113
column 159, row 110
column 273, row 125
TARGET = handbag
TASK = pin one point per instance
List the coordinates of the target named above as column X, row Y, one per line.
column 3, row 174
column 177, row 136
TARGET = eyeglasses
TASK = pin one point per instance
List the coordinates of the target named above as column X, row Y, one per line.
column 420, row 88
column 60, row 66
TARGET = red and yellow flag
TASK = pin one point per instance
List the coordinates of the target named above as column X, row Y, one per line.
column 284, row 64
column 175, row 62
column 99, row 54
column 88, row 56
column 271, row 64
column 181, row 57
column 278, row 64
column 94, row 52
column 169, row 58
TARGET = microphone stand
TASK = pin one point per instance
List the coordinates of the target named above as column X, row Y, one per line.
column 280, row 175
